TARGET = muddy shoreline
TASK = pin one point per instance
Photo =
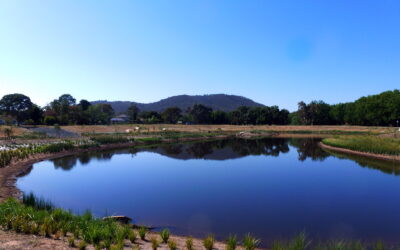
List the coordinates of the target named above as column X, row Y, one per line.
column 395, row 158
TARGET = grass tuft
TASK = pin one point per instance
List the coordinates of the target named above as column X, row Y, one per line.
column 172, row 245
column 251, row 243
column 165, row 235
column 231, row 242
column 208, row 242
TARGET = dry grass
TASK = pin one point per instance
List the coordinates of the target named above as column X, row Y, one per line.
column 202, row 128
column 17, row 131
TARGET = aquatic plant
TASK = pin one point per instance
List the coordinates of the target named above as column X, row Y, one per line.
column 165, row 235
column 208, row 242
column 251, row 243
column 231, row 242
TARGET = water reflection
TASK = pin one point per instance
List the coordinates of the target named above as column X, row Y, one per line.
column 272, row 187
column 227, row 149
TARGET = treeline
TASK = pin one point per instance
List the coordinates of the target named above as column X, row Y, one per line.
column 67, row 111
column 376, row 110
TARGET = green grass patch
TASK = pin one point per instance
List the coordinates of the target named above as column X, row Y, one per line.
column 369, row 144
column 148, row 140
column 110, row 139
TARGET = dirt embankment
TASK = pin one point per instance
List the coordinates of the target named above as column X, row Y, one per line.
column 364, row 154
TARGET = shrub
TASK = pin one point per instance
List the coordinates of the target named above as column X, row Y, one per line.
column 50, row 120
column 8, row 132
column 165, row 235
column 208, row 242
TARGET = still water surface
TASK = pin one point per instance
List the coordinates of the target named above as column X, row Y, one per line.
column 273, row 188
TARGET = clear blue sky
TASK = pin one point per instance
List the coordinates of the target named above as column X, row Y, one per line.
column 275, row 52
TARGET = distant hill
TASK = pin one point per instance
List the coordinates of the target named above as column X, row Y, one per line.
column 216, row 102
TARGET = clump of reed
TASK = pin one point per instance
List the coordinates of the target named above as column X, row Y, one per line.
column 208, row 242
column 231, row 242
column 142, row 233
column 189, row 243
column 154, row 243
column 250, row 243
column 172, row 245
column 165, row 235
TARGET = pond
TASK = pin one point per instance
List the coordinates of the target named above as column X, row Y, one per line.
column 271, row 187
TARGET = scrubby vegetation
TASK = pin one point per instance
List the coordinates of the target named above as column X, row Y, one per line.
column 6, row 156
column 370, row 144
column 38, row 217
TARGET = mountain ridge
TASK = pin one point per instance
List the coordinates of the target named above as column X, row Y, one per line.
column 221, row 102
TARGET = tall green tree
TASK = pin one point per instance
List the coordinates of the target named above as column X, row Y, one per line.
column 133, row 113
column 16, row 105
column 171, row 115
column 200, row 114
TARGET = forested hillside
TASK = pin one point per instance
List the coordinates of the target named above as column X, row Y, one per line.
column 216, row 102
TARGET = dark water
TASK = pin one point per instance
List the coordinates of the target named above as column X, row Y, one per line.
column 273, row 188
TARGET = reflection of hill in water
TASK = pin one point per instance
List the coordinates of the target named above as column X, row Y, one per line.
column 222, row 149
column 231, row 149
